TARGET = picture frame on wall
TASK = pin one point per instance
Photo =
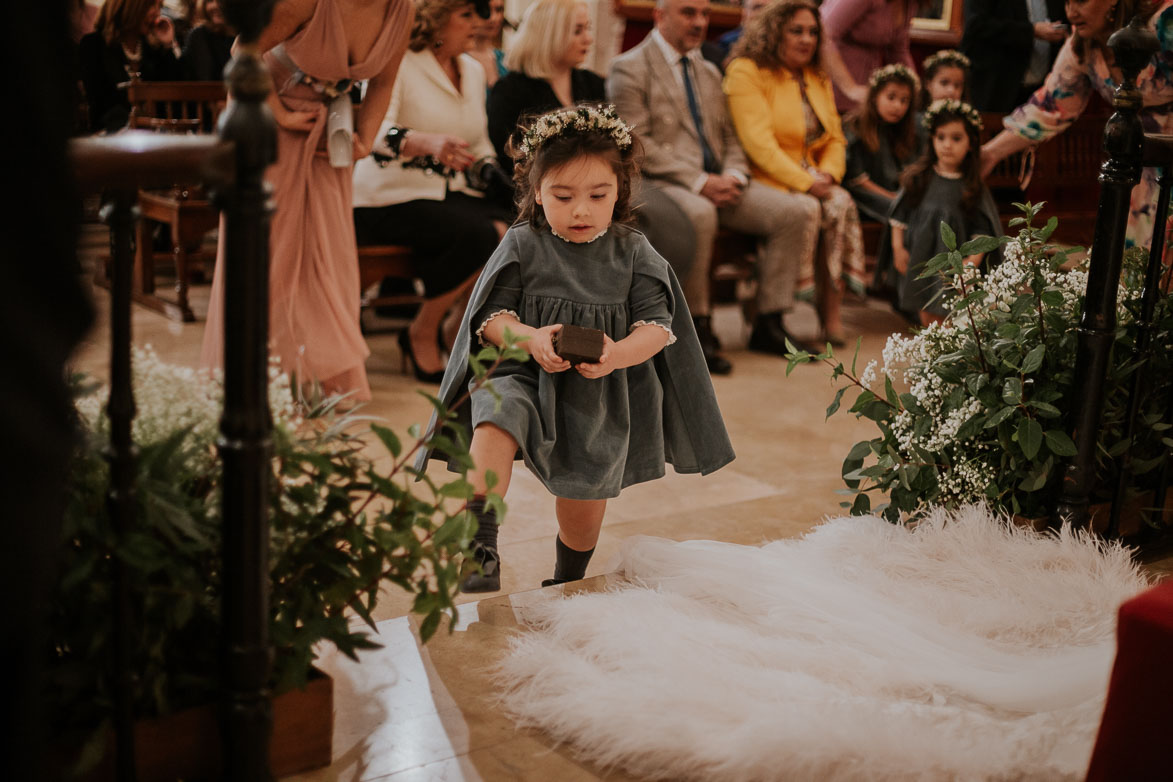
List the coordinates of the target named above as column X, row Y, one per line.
column 937, row 23
column 934, row 15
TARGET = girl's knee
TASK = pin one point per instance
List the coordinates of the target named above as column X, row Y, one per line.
column 491, row 434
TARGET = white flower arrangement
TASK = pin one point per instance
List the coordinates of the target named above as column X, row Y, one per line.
column 894, row 72
column 580, row 119
column 170, row 398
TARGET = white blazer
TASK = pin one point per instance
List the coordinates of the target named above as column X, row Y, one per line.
column 425, row 99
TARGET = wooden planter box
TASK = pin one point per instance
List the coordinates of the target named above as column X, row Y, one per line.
column 186, row 745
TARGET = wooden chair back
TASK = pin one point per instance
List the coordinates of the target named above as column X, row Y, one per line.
column 176, row 106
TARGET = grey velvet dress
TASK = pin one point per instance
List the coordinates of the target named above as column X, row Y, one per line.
column 941, row 202
column 584, row 438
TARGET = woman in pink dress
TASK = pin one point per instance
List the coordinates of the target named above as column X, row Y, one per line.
column 314, row 48
column 868, row 34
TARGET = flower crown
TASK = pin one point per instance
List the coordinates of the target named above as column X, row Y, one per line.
column 946, row 57
column 581, row 119
column 891, row 73
column 962, row 109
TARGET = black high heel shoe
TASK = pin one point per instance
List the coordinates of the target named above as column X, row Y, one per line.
column 406, row 354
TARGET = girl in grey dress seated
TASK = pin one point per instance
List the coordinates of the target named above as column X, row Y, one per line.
column 945, row 185
column 590, row 429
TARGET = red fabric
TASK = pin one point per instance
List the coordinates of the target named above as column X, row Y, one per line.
column 1136, row 734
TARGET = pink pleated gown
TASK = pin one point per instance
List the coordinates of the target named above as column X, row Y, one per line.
column 314, row 284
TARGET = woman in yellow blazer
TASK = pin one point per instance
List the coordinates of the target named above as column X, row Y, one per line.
column 783, row 108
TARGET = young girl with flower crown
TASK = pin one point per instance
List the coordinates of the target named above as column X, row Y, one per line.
column 586, row 430
column 945, row 76
column 881, row 139
column 944, row 185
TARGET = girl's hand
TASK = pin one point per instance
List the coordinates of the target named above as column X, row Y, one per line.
column 900, row 259
column 604, row 366
column 541, row 348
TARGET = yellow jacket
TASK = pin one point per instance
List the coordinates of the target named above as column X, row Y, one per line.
column 766, row 107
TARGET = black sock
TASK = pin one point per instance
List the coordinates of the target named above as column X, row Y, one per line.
column 571, row 565
column 486, row 533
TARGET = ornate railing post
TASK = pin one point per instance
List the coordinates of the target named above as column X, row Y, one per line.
column 246, row 426
column 1132, row 46
column 119, row 213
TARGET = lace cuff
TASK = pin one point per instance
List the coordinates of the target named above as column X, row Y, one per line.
column 897, row 224
column 480, row 333
column 638, row 323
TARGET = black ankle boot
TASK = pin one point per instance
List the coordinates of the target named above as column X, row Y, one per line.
column 484, row 550
column 769, row 336
column 710, row 346
column 569, row 565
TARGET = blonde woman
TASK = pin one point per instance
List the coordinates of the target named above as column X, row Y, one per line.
column 543, row 74
column 783, row 108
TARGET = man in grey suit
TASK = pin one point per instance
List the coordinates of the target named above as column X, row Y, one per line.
column 673, row 98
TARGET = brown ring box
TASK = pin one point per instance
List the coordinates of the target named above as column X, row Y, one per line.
column 578, row 345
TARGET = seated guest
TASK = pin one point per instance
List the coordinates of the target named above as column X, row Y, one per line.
column 725, row 43
column 209, row 44
column 421, row 187
column 487, row 46
column 783, row 107
column 672, row 96
column 131, row 40
column 542, row 69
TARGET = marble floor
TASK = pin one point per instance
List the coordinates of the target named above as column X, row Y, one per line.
column 416, row 713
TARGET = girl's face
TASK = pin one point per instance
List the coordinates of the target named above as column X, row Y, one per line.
column 1089, row 18
column 580, row 38
column 800, row 40
column 892, row 102
column 578, row 198
column 459, row 35
column 951, row 145
column 947, row 83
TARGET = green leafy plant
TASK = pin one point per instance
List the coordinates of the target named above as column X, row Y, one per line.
column 972, row 408
column 345, row 521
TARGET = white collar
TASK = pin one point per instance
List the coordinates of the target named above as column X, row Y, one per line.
column 946, row 174
column 599, row 235
column 669, row 51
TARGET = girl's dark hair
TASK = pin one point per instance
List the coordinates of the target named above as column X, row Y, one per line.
column 868, row 126
column 915, row 179
column 559, row 150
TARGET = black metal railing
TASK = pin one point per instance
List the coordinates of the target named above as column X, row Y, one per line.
column 1127, row 151
column 231, row 166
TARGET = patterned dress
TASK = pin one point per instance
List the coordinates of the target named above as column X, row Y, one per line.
column 1068, row 88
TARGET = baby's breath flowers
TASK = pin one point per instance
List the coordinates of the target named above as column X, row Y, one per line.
column 970, row 409
column 580, row 119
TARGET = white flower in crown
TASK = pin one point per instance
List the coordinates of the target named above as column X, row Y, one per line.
column 894, row 71
column 946, row 57
column 581, row 119
column 949, row 106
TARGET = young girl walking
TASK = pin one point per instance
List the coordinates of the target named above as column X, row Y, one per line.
column 586, row 430
column 944, row 185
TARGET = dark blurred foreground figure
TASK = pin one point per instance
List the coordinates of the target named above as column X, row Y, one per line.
column 43, row 315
